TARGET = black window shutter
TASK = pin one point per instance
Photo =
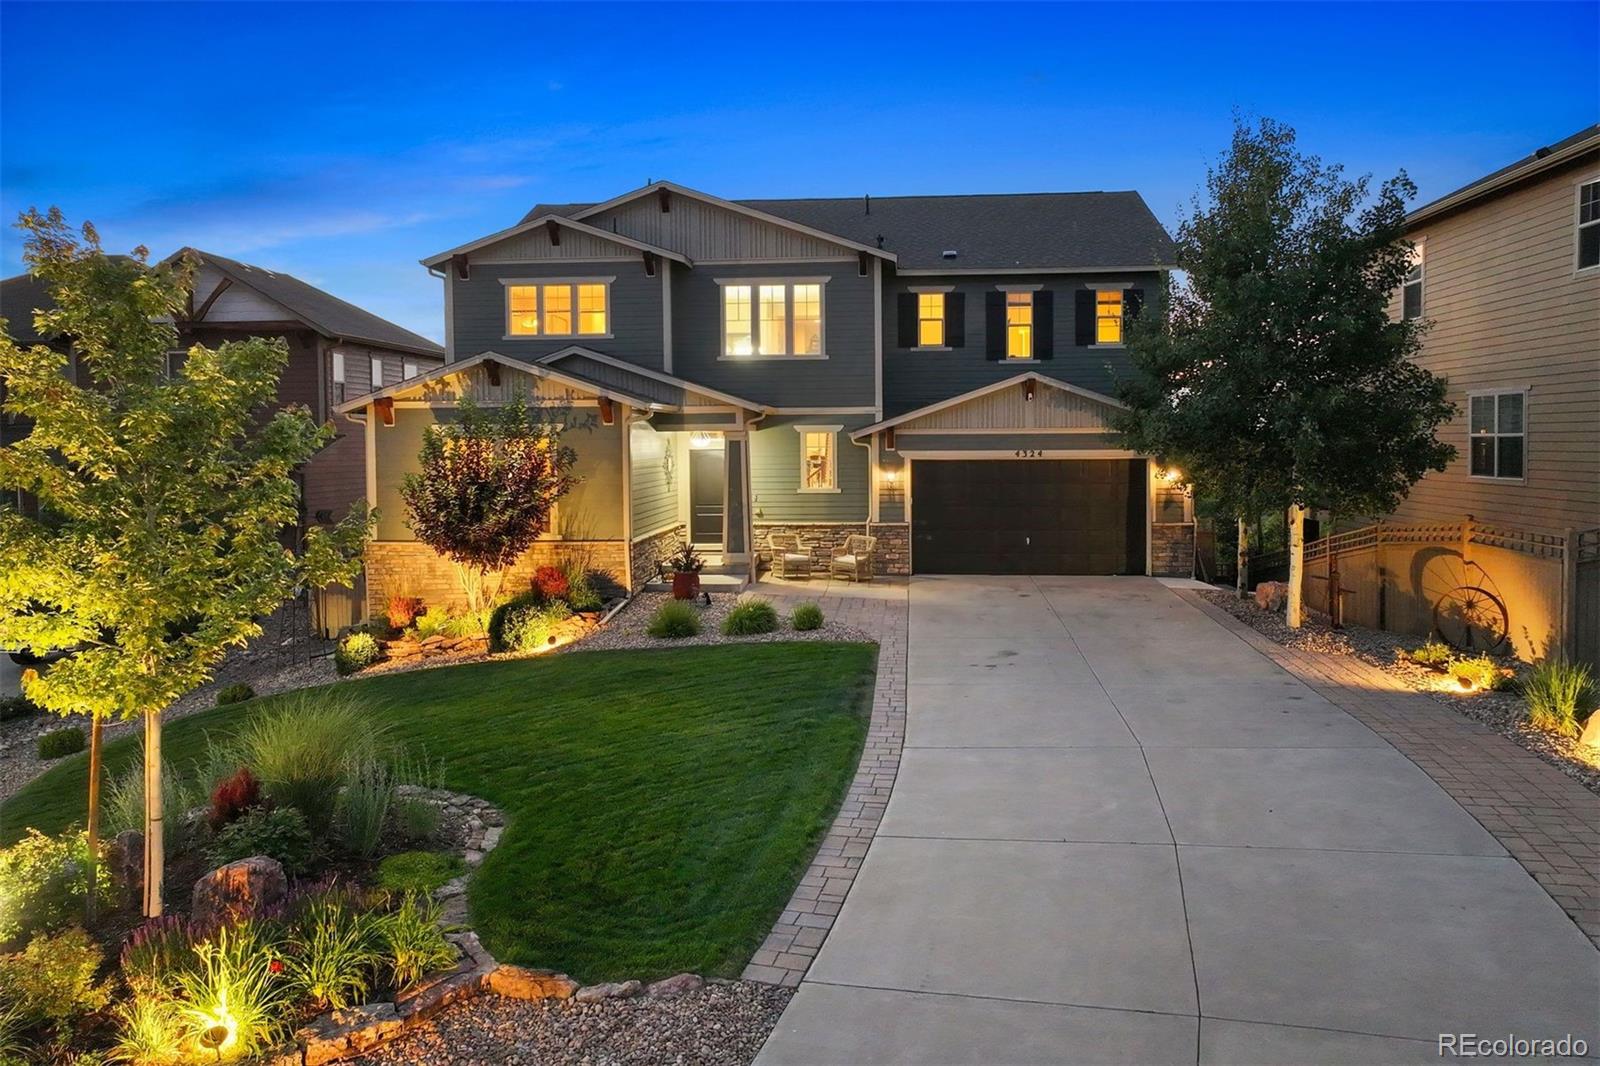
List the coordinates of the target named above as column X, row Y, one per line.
column 994, row 313
column 1083, row 317
column 1132, row 303
column 908, row 320
column 955, row 319
column 1044, row 324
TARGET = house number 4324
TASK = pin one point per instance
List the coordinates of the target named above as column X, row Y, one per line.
column 1029, row 453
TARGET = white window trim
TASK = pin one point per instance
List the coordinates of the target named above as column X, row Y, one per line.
column 1577, row 202
column 572, row 283
column 1421, row 246
column 834, row 452
column 944, row 317
column 375, row 368
column 1512, row 390
column 1119, row 290
column 338, row 367
column 409, row 368
column 755, row 317
column 1033, row 325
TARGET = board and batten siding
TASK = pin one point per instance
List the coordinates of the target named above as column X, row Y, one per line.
column 633, row 316
column 238, row 302
column 845, row 378
column 703, row 231
column 1508, row 312
column 1010, row 409
column 914, row 378
column 775, row 472
column 657, row 467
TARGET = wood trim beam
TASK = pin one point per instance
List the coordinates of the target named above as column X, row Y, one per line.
column 552, row 229
column 200, row 312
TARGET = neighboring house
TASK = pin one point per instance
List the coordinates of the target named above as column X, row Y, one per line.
column 935, row 371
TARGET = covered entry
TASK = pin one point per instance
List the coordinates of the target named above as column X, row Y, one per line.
column 1029, row 516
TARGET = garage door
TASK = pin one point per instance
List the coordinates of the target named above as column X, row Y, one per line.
column 1028, row 516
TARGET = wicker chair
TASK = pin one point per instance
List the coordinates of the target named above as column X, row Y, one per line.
column 853, row 560
column 790, row 557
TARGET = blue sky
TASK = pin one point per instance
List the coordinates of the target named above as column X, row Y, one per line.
column 342, row 143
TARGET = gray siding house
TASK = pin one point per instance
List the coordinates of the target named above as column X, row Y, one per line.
column 936, row 371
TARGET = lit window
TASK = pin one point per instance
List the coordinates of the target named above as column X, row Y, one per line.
column 1589, row 224
column 1019, row 325
column 1496, row 435
column 591, row 309
column 557, row 310
column 774, row 321
column 736, row 320
column 1411, row 288
column 524, row 303
column 816, row 460
column 930, row 319
column 808, row 319
column 1108, row 316
column 377, row 372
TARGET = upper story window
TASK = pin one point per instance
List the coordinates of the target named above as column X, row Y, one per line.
column 772, row 318
column 1496, row 434
column 377, row 372
column 819, row 467
column 1411, row 289
column 1108, row 316
column 408, row 368
column 930, row 320
column 1589, row 224
column 1019, row 325
column 558, row 308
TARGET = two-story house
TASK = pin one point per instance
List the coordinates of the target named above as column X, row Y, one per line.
column 936, row 371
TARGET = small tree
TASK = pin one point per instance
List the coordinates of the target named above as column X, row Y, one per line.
column 162, row 497
column 1276, row 377
column 486, row 489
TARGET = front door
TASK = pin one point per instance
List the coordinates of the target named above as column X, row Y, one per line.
column 705, row 496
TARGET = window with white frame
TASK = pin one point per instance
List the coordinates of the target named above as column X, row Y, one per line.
column 819, row 468
column 1589, row 224
column 1497, row 434
column 1411, row 288
column 408, row 367
column 377, row 372
column 564, row 308
column 1019, row 325
column 770, row 318
column 338, row 368
column 930, row 320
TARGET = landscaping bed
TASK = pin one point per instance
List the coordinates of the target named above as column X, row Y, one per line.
column 1503, row 711
column 629, row 627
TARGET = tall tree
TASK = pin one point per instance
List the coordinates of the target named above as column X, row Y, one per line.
column 1276, row 376
column 486, row 488
column 162, row 497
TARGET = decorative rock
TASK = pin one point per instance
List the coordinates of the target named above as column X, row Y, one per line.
column 240, row 889
column 674, row 986
column 518, row 982
column 345, row 1032
column 491, row 838
column 126, row 863
column 432, row 996
column 1270, row 595
column 609, row 990
column 1589, row 739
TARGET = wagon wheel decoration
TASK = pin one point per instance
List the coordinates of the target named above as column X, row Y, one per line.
column 1470, row 618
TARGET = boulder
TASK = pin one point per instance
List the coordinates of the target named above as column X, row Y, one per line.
column 346, row 1032
column 1271, row 595
column 609, row 990
column 242, row 889
column 125, row 861
column 674, row 986
column 519, row 982
column 1589, row 739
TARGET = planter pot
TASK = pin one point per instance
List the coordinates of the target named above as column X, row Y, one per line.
column 685, row 585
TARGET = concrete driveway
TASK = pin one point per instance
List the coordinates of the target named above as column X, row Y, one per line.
column 1119, row 834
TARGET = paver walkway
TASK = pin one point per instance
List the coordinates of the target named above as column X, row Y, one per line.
column 1119, row 833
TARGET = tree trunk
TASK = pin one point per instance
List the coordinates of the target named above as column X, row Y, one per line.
column 1242, row 561
column 90, row 907
column 1294, row 609
column 154, row 844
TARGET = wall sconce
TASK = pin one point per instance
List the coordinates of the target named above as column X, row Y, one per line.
column 702, row 440
column 1171, row 475
column 891, row 476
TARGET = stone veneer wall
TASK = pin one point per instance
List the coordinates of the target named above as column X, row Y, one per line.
column 893, row 556
column 652, row 549
column 894, row 542
column 413, row 569
column 1172, row 550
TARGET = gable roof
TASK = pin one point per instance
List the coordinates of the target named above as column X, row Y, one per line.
column 539, row 218
column 984, row 390
column 1072, row 231
column 643, row 380
column 322, row 311
column 1541, row 159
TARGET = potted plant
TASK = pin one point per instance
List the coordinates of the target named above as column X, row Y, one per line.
column 686, row 564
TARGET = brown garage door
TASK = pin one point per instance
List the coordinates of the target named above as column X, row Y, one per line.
column 1028, row 516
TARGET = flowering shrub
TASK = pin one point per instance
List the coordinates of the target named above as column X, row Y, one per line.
column 403, row 610
column 550, row 582
column 157, row 952
column 233, row 797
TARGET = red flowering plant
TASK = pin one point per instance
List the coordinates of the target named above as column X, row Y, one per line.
column 550, row 583
column 233, row 796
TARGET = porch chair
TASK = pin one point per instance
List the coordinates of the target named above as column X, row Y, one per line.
column 853, row 559
column 790, row 557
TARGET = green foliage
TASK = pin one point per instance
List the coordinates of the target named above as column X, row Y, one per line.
column 364, row 805
column 356, row 652
column 52, row 980
column 416, row 820
column 1274, row 374
column 527, row 623
column 60, row 743
column 157, row 952
column 581, row 593
column 330, row 954
column 751, row 615
column 122, row 805
column 278, row 833
column 674, row 619
column 434, row 622
column 43, row 881
column 232, row 977
column 1480, row 672
column 418, row 871
column 150, row 1030
column 1432, row 653
column 237, row 692
column 1561, row 695
column 13, row 1020
column 12, row 707
column 411, row 943
column 806, row 616
column 300, row 747
column 497, row 617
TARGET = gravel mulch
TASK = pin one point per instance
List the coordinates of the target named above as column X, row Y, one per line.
column 1504, row 712
column 627, row 628
column 721, row 1024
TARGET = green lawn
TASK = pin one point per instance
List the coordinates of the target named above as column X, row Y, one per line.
column 661, row 805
